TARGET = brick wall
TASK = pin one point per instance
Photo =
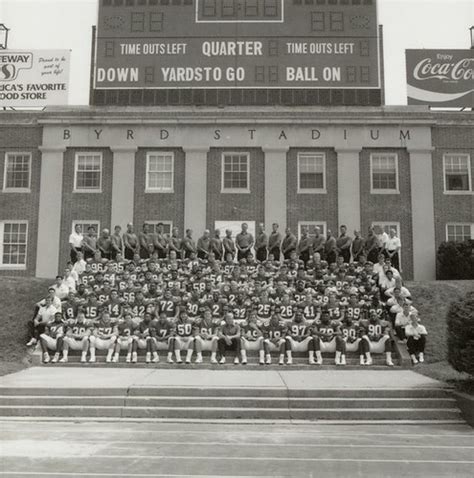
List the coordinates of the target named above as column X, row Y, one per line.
column 312, row 207
column 22, row 206
column 451, row 207
column 389, row 207
column 84, row 206
column 159, row 206
column 235, row 207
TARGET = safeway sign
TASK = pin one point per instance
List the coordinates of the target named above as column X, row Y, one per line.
column 442, row 78
column 35, row 78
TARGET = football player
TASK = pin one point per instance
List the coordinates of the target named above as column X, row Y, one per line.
column 103, row 337
column 376, row 337
column 299, row 339
column 252, row 338
column 274, row 338
column 205, row 336
column 324, row 334
column 184, row 339
column 162, row 332
column 125, row 329
column 77, row 336
column 142, row 338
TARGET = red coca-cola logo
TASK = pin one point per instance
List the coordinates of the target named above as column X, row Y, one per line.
column 427, row 69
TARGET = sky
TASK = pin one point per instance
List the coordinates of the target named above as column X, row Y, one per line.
column 66, row 24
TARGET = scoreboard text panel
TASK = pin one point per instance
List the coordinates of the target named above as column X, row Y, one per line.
column 169, row 44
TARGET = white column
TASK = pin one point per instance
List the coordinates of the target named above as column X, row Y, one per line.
column 123, row 186
column 275, row 188
column 49, row 214
column 424, row 247
column 348, row 188
column 195, row 190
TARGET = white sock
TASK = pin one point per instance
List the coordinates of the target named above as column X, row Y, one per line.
column 244, row 355
column 189, row 354
column 213, row 356
column 177, row 354
column 261, row 354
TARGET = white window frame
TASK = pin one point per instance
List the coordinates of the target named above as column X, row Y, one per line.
column 447, row 191
column 16, row 267
column 167, row 223
column 322, row 156
column 471, row 225
column 83, row 222
column 234, row 190
column 76, row 162
column 312, row 223
column 397, row 181
column 16, row 190
column 149, row 189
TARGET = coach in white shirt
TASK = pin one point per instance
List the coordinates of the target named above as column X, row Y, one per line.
column 75, row 242
column 60, row 288
column 392, row 249
column 80, row 266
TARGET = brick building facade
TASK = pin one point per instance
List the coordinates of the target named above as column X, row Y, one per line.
column 397, row 167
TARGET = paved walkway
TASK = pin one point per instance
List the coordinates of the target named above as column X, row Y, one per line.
column 83, row 377
column 116, row 450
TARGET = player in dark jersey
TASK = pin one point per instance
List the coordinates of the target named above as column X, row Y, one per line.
column 103, row 337
column 184, row 339
column 229, row 338
column 252, row 338
column 52, row 338
column 350, row 338
column 299, row 339
column 125, row 329
column 206, row 336
column 324, row 334
column 70, row 307
column 162, row 331
column 376, row 337
column 274, row 333
column 168, row 305
column 142, row 337
column 77, row 335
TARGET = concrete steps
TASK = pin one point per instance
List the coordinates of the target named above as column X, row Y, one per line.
column 231, row 403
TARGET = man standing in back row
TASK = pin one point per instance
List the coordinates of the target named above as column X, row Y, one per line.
column 244, row 242
column 343, row 244
column 261, row 244
column 274, row 242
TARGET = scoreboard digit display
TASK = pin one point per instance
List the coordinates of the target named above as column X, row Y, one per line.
column 237, row 44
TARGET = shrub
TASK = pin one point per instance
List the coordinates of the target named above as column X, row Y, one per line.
column 456, row 260
column 460, row 322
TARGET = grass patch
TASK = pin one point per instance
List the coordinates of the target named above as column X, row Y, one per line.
column 432, row 299
column 18, row 296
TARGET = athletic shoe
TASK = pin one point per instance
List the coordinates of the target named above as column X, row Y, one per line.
column 92, row 360
column 128, row 359
column 362, row 361
column 268, row 361
column 83, row 359
column 32, row 342
column 236, row 361
column 55, row 358
column 389, row 363
column 156, row 359
column 261, row 362
column 343, row 360
column 169, row 360
column 63, row 360
column 46, row 357
column 289, row 361
column 368, row 362
column 311, row 361
column 222, row 360
column 244, row 362
column 199, row 360
column 213, row 361
column 319, row 362
column 421, row 357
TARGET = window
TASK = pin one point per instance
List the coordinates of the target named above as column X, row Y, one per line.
column 384, row 173
column 311, row 226
column 17, row 175
column 167, row 227
column 159, row 172
column 459, row 232
column 457, row 173
column 85, row 224
column 235, row 172
column 311, row 173
column 13, row 244
column 88, row 172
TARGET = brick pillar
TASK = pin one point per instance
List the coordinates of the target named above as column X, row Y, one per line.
column 123, row 187
column 49, row 215
column 195, row 190
column 348, row 189
column 424, row 248
column 275, row 188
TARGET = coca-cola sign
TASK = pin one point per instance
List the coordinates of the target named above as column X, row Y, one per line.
column 440, row 77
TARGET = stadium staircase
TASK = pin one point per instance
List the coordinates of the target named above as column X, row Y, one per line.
column 181, row 403
column 142, row 403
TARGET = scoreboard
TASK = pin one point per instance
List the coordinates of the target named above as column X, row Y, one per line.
column 237, row 44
